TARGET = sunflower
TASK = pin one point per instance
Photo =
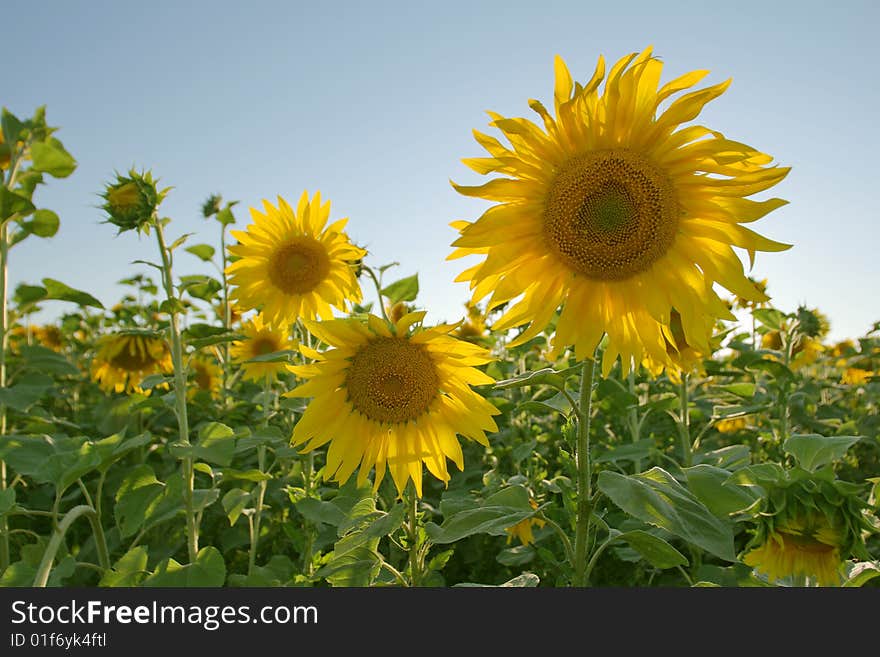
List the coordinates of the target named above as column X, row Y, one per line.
column 856, row 376
column 50, row 336
column 732, row 425
column 617, row 214
column 261, row 338
column 205, row 374
column 386, row 396
column 523, row 529
column 800, row 547
column 292, row 265
column 682, row 358
column 123, row 360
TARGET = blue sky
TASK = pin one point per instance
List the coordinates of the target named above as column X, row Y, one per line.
column 374, row 103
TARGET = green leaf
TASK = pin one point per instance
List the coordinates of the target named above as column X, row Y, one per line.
column 43, row 224
column 812, row 451
column 31, row 456
column 713, row 488
column 49, row 156
column 862, row 573
column 406, row 289
column 137, row 494
column 179, row 241
column 641, row 449
column 10, row 126
column 225, row 215
column 731, row 457
column 42, row 359
column 215, row 444
column 546, row 376
column 61, row 292
column 7, row 500
column 234, row 503
column 376, row 528
column 254, row 475
column 208, row 569
column 28, row 294
column 282, row 356
column 738, row 410
column 495, row 514
column 200, row 286
column 359, row 567
column 22, row 396
column 744, row 389
column 657, row 498
column 129, row 570
column 201, row 251
column 525, row 580
column 12, row 203
column 770, row 317
column 519, row 555
column 320, row 511
column 654, row 549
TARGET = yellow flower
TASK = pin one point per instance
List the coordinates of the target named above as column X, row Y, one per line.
column 206, row 374
column 523, row 529
column 682, row 358
column 844, row 347
column 292, row 265
column 744, row 303
column 124, row 360
column 732, row 425
column 50, row 336
column 772, row 340
column 856, row 376
column 388, row 397
column 800, row 547
column 5, row 153
column 474, row 326
column 617, row 214
column 261, row 338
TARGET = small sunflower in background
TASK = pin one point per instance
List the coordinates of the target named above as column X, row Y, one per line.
column 523, row 529
column 857, row 376
column 474, row 325
column 617, row 213
column 733, row 424
column 391, row 398
column 682, row 357
column 123, row 360
column 50, row 336
column 261, row 338
column 206, row 374
column 291, row 265
column 745, row 303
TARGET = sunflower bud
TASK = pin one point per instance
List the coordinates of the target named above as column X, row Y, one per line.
column 812, row 322
column 132, row 200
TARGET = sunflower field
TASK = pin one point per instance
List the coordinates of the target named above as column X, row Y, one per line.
column 620, row 404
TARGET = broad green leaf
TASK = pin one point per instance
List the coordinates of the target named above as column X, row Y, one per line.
column 138, row 492
column 546, row 376
column 319, row 511
column 204, row 497
column 654, row 549
column 862, row 573
column 31, row 456
column 235, row 501
column 359, row 567
column 179, row 241
column 743, row 389
column 254, row 475
column 812, row 451
column 202, row 251
column 208, row 570
column 11, row 126
column 496, row 513
column 12, row 203
column 22, row 396
column 712, row 487
column 49, row 156
column 60, row 291
column 28, row 294
column 518, row 555
column 129, row 570
column 737, row 410
column 406, row 289
column 731, row 457
column 760, row 474
column 7, row 500
column 215, row 444
column 380, row 526
column 44, row 223
column 42, row 359
column 200, row 286
column 613, row 393
column 770, row 317
column 641, row 449
column 283, row 356
column 657, row 498
column 525, row 580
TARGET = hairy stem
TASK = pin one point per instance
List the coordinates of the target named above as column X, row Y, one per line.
column 42, row 576
column 584, row 475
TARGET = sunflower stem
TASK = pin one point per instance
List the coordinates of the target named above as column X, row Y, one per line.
column 684, row 424
column 42, row 576
column 415, row 575
column 261, row 487
column 378, row 292
column 227, row 316
column 584, row 475
column 4, row 314
column 192, row 531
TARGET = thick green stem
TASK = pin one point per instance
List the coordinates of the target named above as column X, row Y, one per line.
column 227, row 315
column 261, row 487
column 70, row 517
column 415, row 574
column 584, row 475
column 192, row 530
column 4, row 316
column 684, row 427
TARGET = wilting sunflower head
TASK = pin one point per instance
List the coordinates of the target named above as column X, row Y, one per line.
column 205, row 374
column 807, row 527
column 616, row 213
column 812, row 322
column 389, row 396
column 261, row 339
column 50, row 336
column 292, row 264
column 123, row 360
column 131, row 201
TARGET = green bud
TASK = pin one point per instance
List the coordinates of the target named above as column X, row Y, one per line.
column 131, row 202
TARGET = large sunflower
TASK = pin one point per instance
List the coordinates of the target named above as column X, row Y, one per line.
column 616, row 213
column 292, row 265
column 124, row 360
column 261, row 339
column 388, row 396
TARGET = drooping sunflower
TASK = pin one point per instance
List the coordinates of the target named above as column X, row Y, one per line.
column 123, row 360
column 261, row 338
column 616, row 213
column 50, row 336
column 292, row 265
column 391, row 397
column 523, row 529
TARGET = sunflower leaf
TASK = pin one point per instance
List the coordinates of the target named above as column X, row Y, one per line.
column 406, row 289
column 61, row 292
column 812, row 451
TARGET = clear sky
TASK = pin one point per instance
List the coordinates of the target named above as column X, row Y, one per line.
column 373, row 103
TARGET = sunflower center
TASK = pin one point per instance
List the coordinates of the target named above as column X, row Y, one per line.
column 299, row 266
column 133, row 357
column 263, row 346
column 610, row 214
column 392, row 380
